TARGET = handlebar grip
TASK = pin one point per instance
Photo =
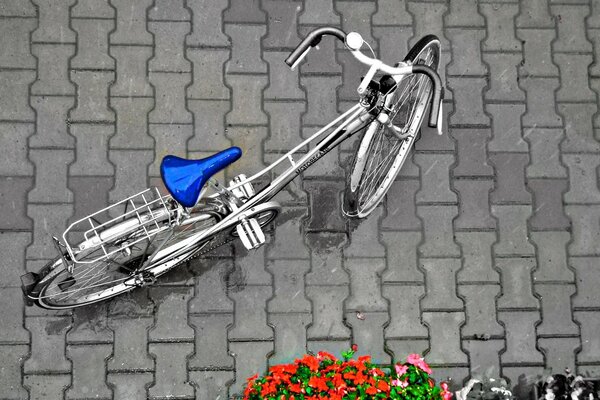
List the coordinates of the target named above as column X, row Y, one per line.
column 313, row 39
column 438, row 92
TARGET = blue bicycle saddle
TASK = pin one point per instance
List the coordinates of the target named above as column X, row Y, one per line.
column 184, row 178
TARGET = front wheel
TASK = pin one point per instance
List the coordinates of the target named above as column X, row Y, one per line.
column 383, row 149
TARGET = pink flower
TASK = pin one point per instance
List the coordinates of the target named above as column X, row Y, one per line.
column 401, row 369
column 418, row 362
column 398, row 382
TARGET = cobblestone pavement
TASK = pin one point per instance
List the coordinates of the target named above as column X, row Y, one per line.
column 492, row 229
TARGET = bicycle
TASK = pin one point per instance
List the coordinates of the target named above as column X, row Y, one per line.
column 131, row 243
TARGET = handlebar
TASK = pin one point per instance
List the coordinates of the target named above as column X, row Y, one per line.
column 353, row 42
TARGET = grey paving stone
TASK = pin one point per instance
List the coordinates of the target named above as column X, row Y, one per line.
column 53, row 25
column 321, row 60
column 131, row 23
column 10, row 380
column 557, row 318
column 480, row 311
column 474, row 211
column 327, row 312
column 585, row 235
column 246, row 269
column 351, row 76
column 483, row 356
column 13, row 196
column 90, row 326
column 288, row 283
column 392, row 40
column 245, row 12
column 131, row 130
column 170, row 93
column 92, row 44
column 91, row 9
column 51, row 122
column 520, row 336
column 541, row 109
column 472, row 155
column 510, row 178
column 400, row 206
column 48, row 220
column 504, row 80
column 284, row 125
column 16, row 8
column 246, row 99
column 365, row 290
column 250, row 359
column 321, row 104
column 47, row 345
column 512, row 230
column 535, row 14
column 438, row 237
column 590, row 323
column 464, row 13
column 405, row 311
column 571, row 35
column 428, row 18
column 211, row 343
column 516, row 281
column 364, row 237
column 129, row 386
column 551, row 248
column 249, row 139
column 500, row 22
column 170, row 378
column 468, row 101
column 401, row 251
column 211, row 384
column 325, row 207
column 42, row 387
column 130, row 176
column 168, row 139
column 319, row 12
column 357, row 17
column 367, row 334
column 574, row 68
column 435, row 178
column 131, row 79
column 544, row 153
column 130, row 338
column 477, row 257
column 13, row 140
column 507, row 132
column 11, row 315
column 559, row 352
column 288, row 241
column 51, row 176
column 580, row 134
column 537, row 55
column 169, row 11
column 290, row 336
column 207, row 24
column 586, row 272
column 208, row 132
column 170, row 314
column 92, row 96
column 251, row 314
column 440, row 284
column 211, row 288
column 169, row 52
column 14, row 42
column 88, row 365
column 14, row 85
column 282, row 24
column 208, row 73
column 13, row 245
column 548, row 212
column 390, row 12
column 444, row 341
column 283, row 82
column 466, row 52
column 91, row 156
column 593, row 20
column 583, row 178
column 326, row 258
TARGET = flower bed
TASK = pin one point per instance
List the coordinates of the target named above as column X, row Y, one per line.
column 325, row 377
column 567, row 386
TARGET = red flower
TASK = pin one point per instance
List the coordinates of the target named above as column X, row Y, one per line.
column 318, row 383
column 371, row 390
column 355, row 347
column 383, row 386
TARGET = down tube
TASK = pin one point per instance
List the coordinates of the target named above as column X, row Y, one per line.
column 348, row 128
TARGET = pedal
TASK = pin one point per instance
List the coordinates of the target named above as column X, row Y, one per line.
column 250, row 233
column 244, row 191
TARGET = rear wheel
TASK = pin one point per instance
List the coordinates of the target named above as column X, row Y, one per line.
column 383, row 149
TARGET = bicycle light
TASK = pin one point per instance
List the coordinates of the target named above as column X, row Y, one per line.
column 354, row 41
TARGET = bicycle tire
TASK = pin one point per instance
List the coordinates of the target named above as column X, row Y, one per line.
column 367, row 184
column 56, row 276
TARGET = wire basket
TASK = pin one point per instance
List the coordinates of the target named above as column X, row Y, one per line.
column 138, row 218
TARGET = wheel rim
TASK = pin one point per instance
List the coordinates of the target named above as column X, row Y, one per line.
column 98, row 281
column 387, row 152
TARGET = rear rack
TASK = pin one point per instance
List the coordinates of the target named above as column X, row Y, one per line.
column 139, row 218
